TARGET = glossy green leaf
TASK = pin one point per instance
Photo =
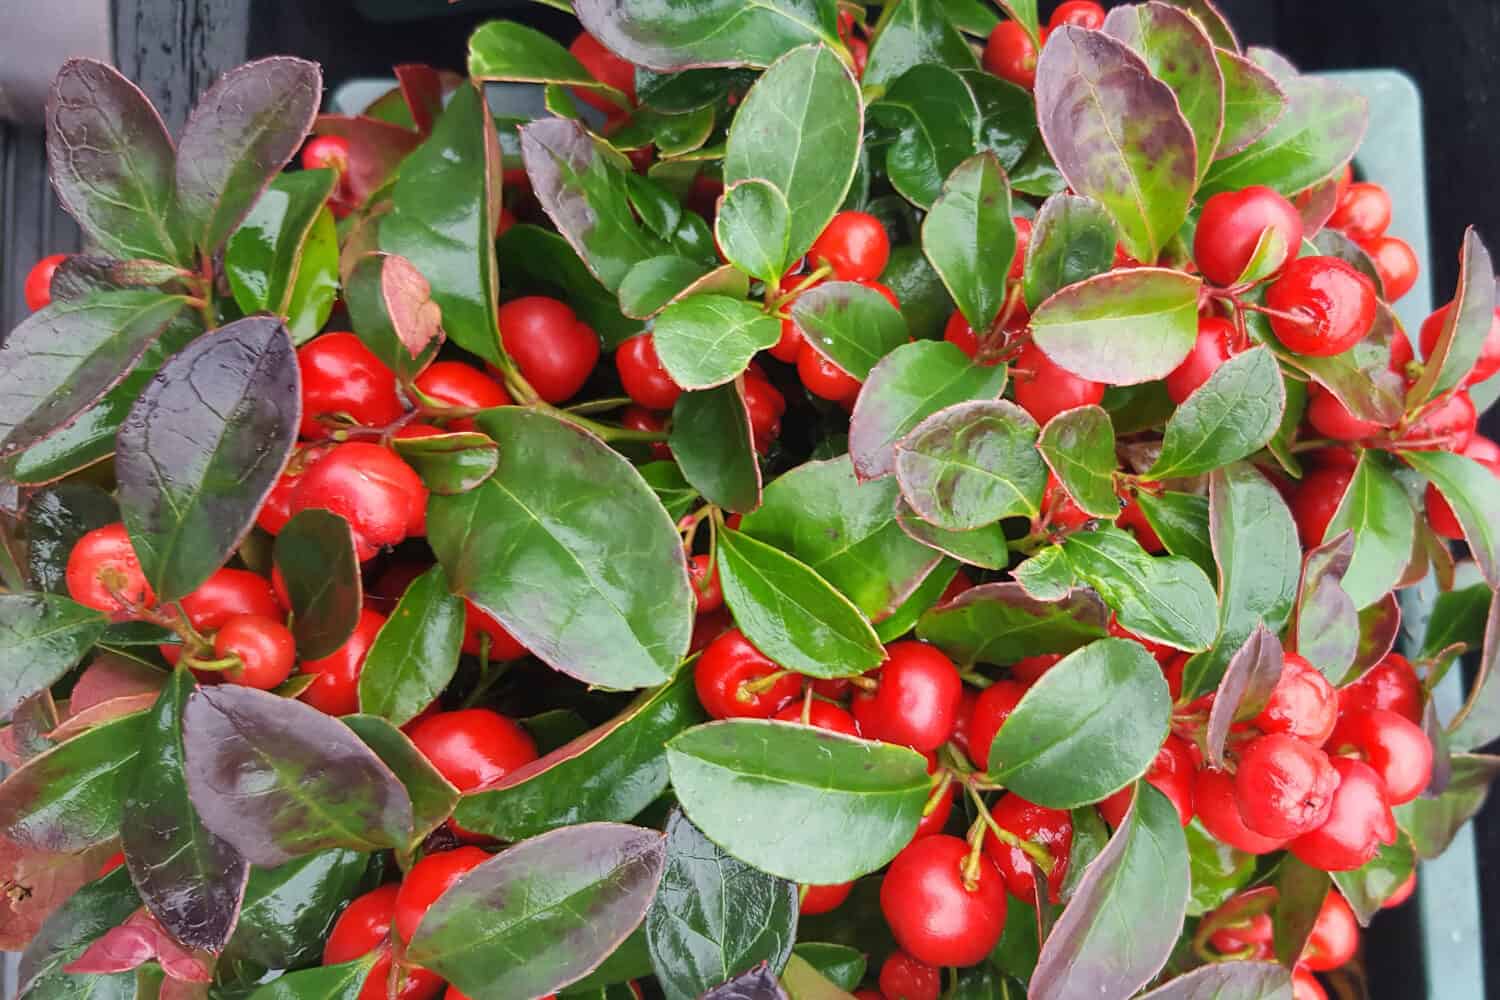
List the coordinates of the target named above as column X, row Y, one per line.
column 444, row 212
column 1327, row 622
column 1123, row 921
column 791, row 613
column 1251, row 676
column 675, row 493
column 1078, row 445
column 1227, row 418
column 544, row 913
column 925, row 595
column 916, row 33
column 242, row 131
column 289, row 909
column 1234, row 980
column 343, row 981
column 1300, row 891
column 42, row 637
column 935, row 118
column 972, row 17
column 852, row 325
column 69, row 798
column 415, row 654
column 1167, row 599
column 1367, row 887
column 706, row 340
column 840, row 964
column 714, row 916
column 1117, row 135
column 63, row 358
column 1377, row 510
column 1218, row 870
column 506, row 50
column 807, row 788
column 970, row 239
column 683, row 34
column 971, row 464
column 1433, row 823
column 1072, row 239
column 1090, row 726
column 1122, row 327
column 392, row 309
column 985, row 547
column 264, row 254
column 1474, row 494
column 657, row 282
column 98, row 906
column 56, row 518
column 541, row 261
column 753, row 227
column 1465, row 328
column 711, row 440
column 450, row 463
column 1007, row 119
column 315, row 554
column 609, row 773
column 203, row 446
column 317, row 285
column 1253, row 102
column 1180, row 520
column 616, row 609
column 432, row 797
column 1000, row 623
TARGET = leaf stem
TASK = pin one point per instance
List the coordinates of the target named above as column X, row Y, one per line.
column 1036, row 852
column 774, row 305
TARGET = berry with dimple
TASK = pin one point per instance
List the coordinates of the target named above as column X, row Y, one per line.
column 823, row 378
column 1051, row 829
column 368, row 486
column 1396, row 263
column 818, row 899
column 473, row 747
column 854, row 244
column 820, row 715
column 936, row 914
column 38, row 288
column 554, row 350
column 1488, row 362
column 1284, row 787
column 705, row 580
column 342, row 378
column 1447, row 425
column 1216, row 808
column 1359, row 822
column 1363, row 212
column 479, row 625
column 1335, row 935
column 1316, row 500
column 1393, row 745
column 457, row 384
column 265, row 648
column 1213, row 347
column 427, row 880
column 102, row 565
column 1303, row 703
column 1081, row 13
column 993, row 707
column 1044, row 389
column 606, row 67
column 335, row 689
column 1391, row 684
column 731, row 677
column 1323, row 306
column 1230, row 228
column 1172, row 773
column 1010, row 54
column 642, row 374
column 902, row 977
column 916, row 698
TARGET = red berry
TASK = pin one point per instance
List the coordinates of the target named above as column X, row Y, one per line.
column 823, row 378
column 341, row 376
column 1059, row 512
column 936, row 821
column 638, row 418
column 705, row 580
column 821, row 715
column 1231, row 225
column 1212, row 348
column 1044, row 389
column 230, row 592
column 993, row 707
column 458, row 384
column 818, row 899
column 1447, row 425
column 478, row 624
column 606, row 67
column 1163, row 654
column 368, row 486
column 1482, row 449
column 904, row 978
column 366, row 926
column 790, row 344
column 641, row 372
column 1359, row 822
column 884, row 291
column 1327, row 306
column 1394, row 746
column 1396, row 263
column 956, row 586
column 916, row 699
column 1316, row 500
column 1363, row 212
column 1133, row 517
column 326, row 152
column 1403, row 892
column 1031, row 669
column 102, row 564
column 1305, row 986
column 1391, row 684
column 1048, row 828
column 1172, row 773
column 1214, row 803
column 1489, row 354
column 1401, row 354
column 934, row 916
column 764, row 405
column 473, row 747
column 1023, row 245
column 1332, row 419
column 38, row 287
column 265, row 648
column 1303, row 703
column 555, row 352
column 1440, row 514
column 1334, row 938
column 336, row 689
column 427, row 880
column 276, row 511
column 1011, row 55
column 727, row 666
column 958, row 333
column 1284, row 787
column 854, row 244
column 1082, row 13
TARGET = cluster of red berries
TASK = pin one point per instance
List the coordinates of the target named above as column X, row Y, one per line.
column 1009, row 52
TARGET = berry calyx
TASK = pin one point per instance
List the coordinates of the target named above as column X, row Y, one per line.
column 904, row 978
column 1044, row 389
column 343, row 380
column 1322, row 305
column 38, row 287
column 1358, row 823
column 1230, row 228
column 335, row 690
column 1284, row 787
column 641, row 372
column 1010, row 54
column 1213, row 347
column 855, row 245
column 473, row 747
column 916, row 698
column 943, row 908
column 736, row 680
column 553, row 349
column 427, row 880
column 1049, row 829
column 264, row 647
column 103, row 571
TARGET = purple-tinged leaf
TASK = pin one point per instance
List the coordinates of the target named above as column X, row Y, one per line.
column 1245, row 688
column 1478, row 722
column 1379, row 627
column 141, row 939
column 1121, row 327
column 34, row 884
column 1215, row 23
column 1316, row 207
column 544, row 913
column 689, row 34
column 1253, row 103
column 1119, row 928
column 42, row 637
column 972, row 464
column 1433, row 823
column 277, row 778
column 422, row 89
column 1367, row 887
column 1228, row 981
column 111, row 676
column 376, row 149
column 1377, row 509
column 111, row 162
column 80, row 275
column 191, row 880
column 319, row 568
column 1300, row 891
column 1473, row 491
column 432, row 796
column 202, row 447
column 1326, row 629
column 760, row 983
column 1000, row 623
column 391, row 308
column 1117, row 135
column 26, row 736
column 1466, row 327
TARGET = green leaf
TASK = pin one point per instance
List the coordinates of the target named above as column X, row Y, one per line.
column 289, row 909
column 971, row 464
column 1260, row 563
column 791, row 613
column 657, row 282
column 1207, row 14
column 1218, row 870
column 444, row 211
column 202, row 447
column 111, row 162
column 277, row 778
column 1253, row 102
column 192, row 881
column 1300, row 891
column 715, row 916
column 315, row 554
column 916, row 33
column 242, row 131
column 100, row 905
column 909, row 384
column 1165, row 598
column 675, row 493
column 713, row 444
column 753, row 227
column 544, row 913
column 1007, row 125
column 1465, row 328
column 1000, row 623
column 1236, row 980
column 1123, row 921
column 449, row 463
column 1178, row 52
column 344, row 981
column 541, row 260
column 617, row 608
column 264, row 255
column 1180, row 520
column 1073, row 239
column 973, row 17
column 682, row 34
column 391, row 308
column 852, row 325
column 1377, row 510
column 1433, row 823
column 1327, row 622
column 56, row 518
column 42, row 637
column 840, row 964
column 1016, row 954
column 706, row 340
column 432, row 797
column 1474, row 494
column 970, row 238
column 1117, row 135
column 317, row 284
column 807, row 789
column 505, row 50
column 415, row 654
column 935, row 119
column 611, row 772
column 985, row 547
column 1227, row 418
column 1248, row 682
column 1090, row 726
column 1122, row 327
column 69, row 798
column 1368, row 887
column 60, row 360
column 1078, row 445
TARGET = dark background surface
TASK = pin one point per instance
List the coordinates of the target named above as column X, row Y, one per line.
column 1449, row 47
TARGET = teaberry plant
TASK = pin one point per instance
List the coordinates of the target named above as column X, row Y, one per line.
column 858, row 501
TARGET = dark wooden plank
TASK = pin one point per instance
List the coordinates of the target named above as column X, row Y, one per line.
column 176, row 48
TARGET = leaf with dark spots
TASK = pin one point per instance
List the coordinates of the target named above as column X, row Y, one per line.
column 681, row 35
column 202, row 447
column 544, row 913
column 1000, row 623
column 1247, row 684
column 39, row 887
column 190, row 879
column 760, row 983
column 1326, row 631
column 42, row 637
column 60, row 360
column 971, row 464
column 315, row 553
column 1228, row 981
column 111, row 162
column 243, row 130
column 278, row 779
column 376, row 150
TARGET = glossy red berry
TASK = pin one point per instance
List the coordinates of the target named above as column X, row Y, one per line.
column 343, row 380
column 606, row 67
column 554, row 350
column 1403, row 892
column 935, row 821
column 958, row 333
column 1305, row 986
column 38, row 287
column 934, row 915
column 854, row 244
column 1059, row 511
column 1081, row 13
column 103, row 564
column 993, row 707
column 1048, row 828
column 1018, row 261
column 1172, row 773
column 787, row 348
column 1363, row 212
column 1326, row 306
column 264, row 646
column 916, row 699
column 764, row 405
column 427, row 880
column 904, row 978
column 1316, row 500
column 1133, row 518
column 1010, row 54
column 1031, row 669
column 368, row 486
column 1359, row 822
column 641, row 372
column 1283, row 787
column 473, row 747
column 1391, row 684
column 821, row 715
column 1396, row 263
column 1394, row 746
column 818, row 899
column 1488, row 362
column 1213, row 347
column 823, row 378
column 1303, row 703
column 1332, row 419
column 1230, row 228
column 731, row 678
column 1447, row 425
column 479, row 625
column 1044, row 389
column 1214, row 803
column 330, row 152
column 705, row 580
column 230, row 592
column 1335, row 935
column 365, row 926
column 457, row 384
column 335, row 691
